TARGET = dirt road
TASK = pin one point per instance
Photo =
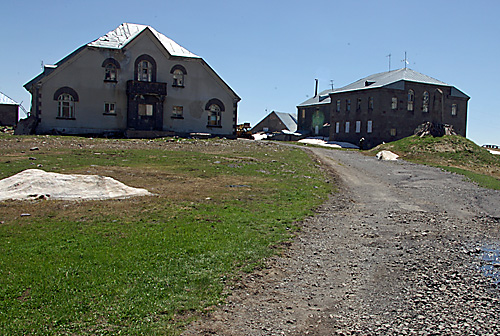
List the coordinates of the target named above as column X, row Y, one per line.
column 401, row 250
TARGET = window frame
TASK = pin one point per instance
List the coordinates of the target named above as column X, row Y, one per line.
column 358, row 126
column 347, row 126
column 454, row 109
column 348, row 105
column 369, row 126
column 108, row 110
column 358, row 104
column 394, row 103
column 177, row 115
column 65, row 101
column 212, row 111
column 339, row 105
column 425, row 101
column 411, row 100
column 111, row 67
column 370, row 103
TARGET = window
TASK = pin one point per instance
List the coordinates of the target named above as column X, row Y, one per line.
column 66, row 106
column 145, row 110
column 393, row 132
column 347, row 126
column 369, row 126
column 303, row 113
column 425, row 102
column 109, row 108
column 111, row 67
column 348, row 105
column 177, row 111
column 411, row 99
column 110, row 73
column 214, row 115
column 358, row 126
column 178, row 72
column 214, row 108
column 338, row 105
column 145, row 71
column 337, row 127
column 454, row 109
column 370, row 104
column 358, row 105
column 178, row 78
column 394, row 105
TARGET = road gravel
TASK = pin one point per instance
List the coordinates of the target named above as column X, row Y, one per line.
column 402, row 249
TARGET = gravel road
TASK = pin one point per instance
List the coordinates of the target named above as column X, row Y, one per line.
column 402, row 249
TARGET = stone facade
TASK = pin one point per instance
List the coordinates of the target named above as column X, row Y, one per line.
column 383, row 107
column 8, row 114
column 137, row 79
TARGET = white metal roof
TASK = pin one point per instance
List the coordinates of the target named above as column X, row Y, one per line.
column 390, row 77
column 6, row 100
column 126, row 32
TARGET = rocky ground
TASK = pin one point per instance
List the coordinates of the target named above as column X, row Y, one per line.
column 402, row 249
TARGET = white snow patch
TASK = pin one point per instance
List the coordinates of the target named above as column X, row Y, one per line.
column 387, row 155
column 322, row 142
column 495, row 152
column 39, row 184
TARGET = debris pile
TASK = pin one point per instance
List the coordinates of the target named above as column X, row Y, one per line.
column 434, row 129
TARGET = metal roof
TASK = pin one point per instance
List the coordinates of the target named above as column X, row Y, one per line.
column 322, row 98
column 390, row 77
column 126, row 32
column 288, row 119
column 6, row 100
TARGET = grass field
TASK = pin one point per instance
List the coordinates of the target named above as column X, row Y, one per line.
column 453, row 153
column 144, row 265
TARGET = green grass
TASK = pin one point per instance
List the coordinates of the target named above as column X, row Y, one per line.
column 453, row 153
column 145, row 265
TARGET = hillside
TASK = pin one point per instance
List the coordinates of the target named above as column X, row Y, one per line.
column 453, row 152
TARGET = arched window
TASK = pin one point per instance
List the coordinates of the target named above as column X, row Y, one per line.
column 425, row 102
column 178, row 72
column 411, row 99
column 110, row 73
column 145, row 69
column 111, row 67
column 178, row 78
column 66, row 98
column 214, row 115
column 66, row 106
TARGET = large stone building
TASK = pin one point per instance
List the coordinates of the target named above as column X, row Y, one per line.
column 389, row 106
column 132, row 80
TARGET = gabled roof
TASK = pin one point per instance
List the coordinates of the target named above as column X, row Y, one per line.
column 390, row 77
column 322, row 98
column 288, row 119
column 118, row 39
column 4, row 99
column 126, row 32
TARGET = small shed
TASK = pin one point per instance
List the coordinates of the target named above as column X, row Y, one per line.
column 276, row 122
column 9, row 111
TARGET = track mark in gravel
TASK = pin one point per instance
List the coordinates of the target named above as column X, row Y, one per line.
column 394, row 253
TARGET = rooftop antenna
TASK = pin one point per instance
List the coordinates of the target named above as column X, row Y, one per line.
column 389, row 61
column 331, row 83
column 405, row 60
column 316, row 88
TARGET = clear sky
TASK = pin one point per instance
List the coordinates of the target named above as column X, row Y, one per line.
column 270, row 52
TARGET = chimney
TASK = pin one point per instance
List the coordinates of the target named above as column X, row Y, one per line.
column 316, row 88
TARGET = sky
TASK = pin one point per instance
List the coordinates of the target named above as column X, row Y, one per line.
column 271, row 52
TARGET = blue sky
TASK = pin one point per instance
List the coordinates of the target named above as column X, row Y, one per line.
column 270, row 52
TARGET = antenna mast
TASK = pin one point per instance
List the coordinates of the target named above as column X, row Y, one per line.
column 389, row 61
